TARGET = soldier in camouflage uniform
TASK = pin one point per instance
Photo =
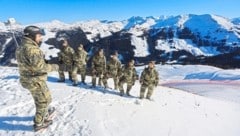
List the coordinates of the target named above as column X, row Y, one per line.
column 80, row 61
column 33, row 73
column 113, row 70
column 65, row 59
column 98, row 67
column 148, row 80
column 129, row 76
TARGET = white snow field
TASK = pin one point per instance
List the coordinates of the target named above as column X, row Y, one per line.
column 208, row 106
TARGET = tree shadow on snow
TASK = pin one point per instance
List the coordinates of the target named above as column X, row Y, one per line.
column 16, row 123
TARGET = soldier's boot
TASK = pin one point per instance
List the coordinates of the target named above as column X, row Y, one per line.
column 149, row 94
column 43, row 125
column 75, row 83
column 83, row 82
column 128, row 93
column 100, row 82
column 148, row 97
column 142, row 92
column 141, row 95
column 129, row 87
column 47, row 120
column 106, row 86
column 115, row 86
column 61, row 80
column 93, row 82
column 50, row 114
column 70, row 78
column 83, row 79
column 121, row 92
column 104, row 81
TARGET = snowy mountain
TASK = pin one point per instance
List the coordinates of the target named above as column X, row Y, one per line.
column 184, row 39
column 236, row 21
column 208, row 106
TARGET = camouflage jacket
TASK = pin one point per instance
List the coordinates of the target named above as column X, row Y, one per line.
column 31, row 59
column 66, row 55
column 114, row 67
column 129, row 74
column 99, row 63
column 80, row 58
column 149, row 76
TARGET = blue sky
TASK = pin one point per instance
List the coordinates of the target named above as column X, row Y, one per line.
column 69, row 11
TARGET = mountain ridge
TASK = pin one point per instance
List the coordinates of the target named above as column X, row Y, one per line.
column 186, row 38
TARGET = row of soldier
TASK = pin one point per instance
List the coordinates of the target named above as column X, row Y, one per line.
column 33, row 72
column 76, row 62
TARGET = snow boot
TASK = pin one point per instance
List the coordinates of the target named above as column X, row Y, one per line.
column 128, row 93
column 50, row 114
column 44, row 125
column 121, row 93
column 75, row 83
column 83, row 82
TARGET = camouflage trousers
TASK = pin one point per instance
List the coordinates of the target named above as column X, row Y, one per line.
column 129, row 86
column 41, row 96
column 81, row 69
column 115, row 80
column 144, row 87
column 95, row 74
column 65, row 67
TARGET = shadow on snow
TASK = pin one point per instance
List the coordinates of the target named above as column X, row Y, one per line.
column 9, row 123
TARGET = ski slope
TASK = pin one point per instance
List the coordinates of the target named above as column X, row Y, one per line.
column 82, row 111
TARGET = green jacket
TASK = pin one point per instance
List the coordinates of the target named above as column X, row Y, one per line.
column 66, row 55
column 31, row 59
column 128, row 74
column 99, row 63
column 80, row 58
column 149, row 76
column 114, row 67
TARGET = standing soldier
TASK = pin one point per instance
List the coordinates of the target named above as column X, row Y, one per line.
column 148, row 80
column 113, row 70
column 33, row 74
column 128, row 75
column 65, row 59
column 98, row 67
column 80, row 62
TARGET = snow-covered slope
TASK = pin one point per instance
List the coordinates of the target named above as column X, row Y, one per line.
column 216, row 27
column 90, row 112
